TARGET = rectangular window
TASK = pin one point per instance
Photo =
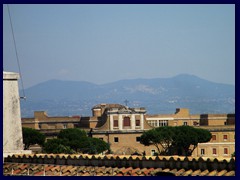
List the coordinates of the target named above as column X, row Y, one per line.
column 214, row 151
column 64, row 126
column 185, row 123
column 138, row 139
column 115, row 123
column 225, row 137
column 115, row 139
column 225, row 150
column 163, row 122
column 202, row 151
column 126, row 121
column 153, row 152
column 137, row 122
column 214, row 137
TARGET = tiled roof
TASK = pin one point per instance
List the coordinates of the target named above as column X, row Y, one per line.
column 19, row 169
column 115, row 165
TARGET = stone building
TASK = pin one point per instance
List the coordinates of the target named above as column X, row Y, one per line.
column 122, row 127
column 221, row 126
column 51, row 126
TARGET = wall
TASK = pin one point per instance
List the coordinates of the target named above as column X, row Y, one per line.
column 12, row 128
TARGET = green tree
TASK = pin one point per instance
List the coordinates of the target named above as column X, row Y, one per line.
column 98, row 146
column 186, row 139
column 71, row 134
column 31, row 137
column 75, row 140
column 161, row 138
column 57, row 146
column 181, row 140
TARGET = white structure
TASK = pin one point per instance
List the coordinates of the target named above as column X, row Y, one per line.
column 126, row 118
column 12, row 128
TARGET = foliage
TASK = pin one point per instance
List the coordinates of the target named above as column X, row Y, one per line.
column 181, row 140
column 71, row 134
column 186, row 139
column 160, row 137
column 75, row 140
column 31, row 137
column 57, row 146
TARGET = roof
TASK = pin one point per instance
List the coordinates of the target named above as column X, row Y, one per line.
column 108, row 106
column 18, row 169
column 115, row 165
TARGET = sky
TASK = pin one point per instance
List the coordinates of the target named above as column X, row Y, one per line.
column 105, row 43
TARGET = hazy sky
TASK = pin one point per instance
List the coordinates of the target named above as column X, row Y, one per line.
column 105, row 43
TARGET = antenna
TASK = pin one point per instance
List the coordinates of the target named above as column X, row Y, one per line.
column 15, row 46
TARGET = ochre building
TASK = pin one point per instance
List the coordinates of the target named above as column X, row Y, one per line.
column 122, row 127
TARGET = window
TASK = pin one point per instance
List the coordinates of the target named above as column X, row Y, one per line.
column 64, row 126
column 126, row 121
column 115, row 123
column 138, row 139
column 163, row 122
column 225, row 150
column 214, row 151
column 185, row 123
column 153, row 152
column 214, row 137
column 225, row 137
column 202, row 151
column 137, row 122
column 115, row 139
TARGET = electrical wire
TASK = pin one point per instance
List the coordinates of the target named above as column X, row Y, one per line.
column 15, row 46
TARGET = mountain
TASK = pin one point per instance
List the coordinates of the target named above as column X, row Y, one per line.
column 158, row 95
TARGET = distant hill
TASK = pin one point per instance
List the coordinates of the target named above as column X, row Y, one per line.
column 158, row 95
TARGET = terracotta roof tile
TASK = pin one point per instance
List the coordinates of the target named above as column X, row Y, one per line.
column 196, row 173
column 212, row 173
column 230, row 173
column 221, row 173
column 73, row 170
column 180, row 172
column 187, row 173
column 204, row 173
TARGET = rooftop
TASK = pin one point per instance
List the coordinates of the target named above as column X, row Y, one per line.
column 115, row 165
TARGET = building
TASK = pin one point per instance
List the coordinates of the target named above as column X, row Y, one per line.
column 51, row 126
column 122, row 127
column 221, row 126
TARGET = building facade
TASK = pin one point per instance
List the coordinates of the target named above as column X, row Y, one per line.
column 121, row 127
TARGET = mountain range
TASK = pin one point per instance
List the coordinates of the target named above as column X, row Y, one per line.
column 158, row 96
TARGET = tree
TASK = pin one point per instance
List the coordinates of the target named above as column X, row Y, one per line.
column 160, row 137
column 71, row 134
column 186, row 139
column 31, row 137
column 75, row 140
column 57, row 146
column 181, row 140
